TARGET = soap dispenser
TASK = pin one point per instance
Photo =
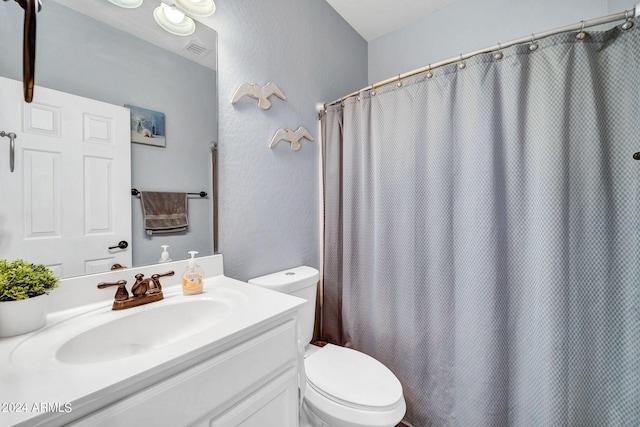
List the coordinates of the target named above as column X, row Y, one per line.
column 164, row 257
column 192, row 277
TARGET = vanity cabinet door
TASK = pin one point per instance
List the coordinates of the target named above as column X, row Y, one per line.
column 257, row 377
column 275, row 405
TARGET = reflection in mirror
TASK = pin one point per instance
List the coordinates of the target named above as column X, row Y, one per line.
column 84, row 56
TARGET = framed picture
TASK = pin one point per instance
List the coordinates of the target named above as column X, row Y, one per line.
column 147, row 126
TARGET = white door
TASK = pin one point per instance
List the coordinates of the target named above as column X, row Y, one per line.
column 69, row 197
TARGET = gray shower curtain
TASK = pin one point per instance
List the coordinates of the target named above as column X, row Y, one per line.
column 482, row 234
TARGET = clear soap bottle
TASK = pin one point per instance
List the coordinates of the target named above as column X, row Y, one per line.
column 193, row 277
column 164, row 257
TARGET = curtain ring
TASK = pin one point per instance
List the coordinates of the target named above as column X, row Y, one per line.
column 627, row 25
column 581, row 34
column 373, row 90
column 533, row 46
column 498, row 55
column 462, row 64
column 429, row 73
column 399, row 84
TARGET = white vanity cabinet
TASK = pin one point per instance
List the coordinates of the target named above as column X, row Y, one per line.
column 225, row 357
column 252, row 383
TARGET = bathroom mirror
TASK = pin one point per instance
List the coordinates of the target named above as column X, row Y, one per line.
column 96, row 50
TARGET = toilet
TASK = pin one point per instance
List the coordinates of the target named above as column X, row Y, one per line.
column 344, row 387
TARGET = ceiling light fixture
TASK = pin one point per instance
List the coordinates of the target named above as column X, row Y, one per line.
column 199, row 8
column 173, row 20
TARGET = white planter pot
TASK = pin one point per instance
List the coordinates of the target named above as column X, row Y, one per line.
column 20, row 317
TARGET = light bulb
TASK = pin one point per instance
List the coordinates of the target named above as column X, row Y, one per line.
column 173, row 20
column 201, row 8
column 173, row 15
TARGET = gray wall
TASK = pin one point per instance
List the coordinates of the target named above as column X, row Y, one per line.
column 82, row 56
column 615, row 6
column 269, row 209
column 469, row 25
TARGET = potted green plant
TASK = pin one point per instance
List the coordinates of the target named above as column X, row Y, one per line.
column 21, row 283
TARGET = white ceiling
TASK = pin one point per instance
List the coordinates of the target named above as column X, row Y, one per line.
column 370, row 18
column 375, row 18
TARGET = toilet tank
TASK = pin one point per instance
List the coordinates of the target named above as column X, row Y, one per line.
column 301, row 282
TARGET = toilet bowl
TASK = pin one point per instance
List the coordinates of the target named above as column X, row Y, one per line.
column 344, row 387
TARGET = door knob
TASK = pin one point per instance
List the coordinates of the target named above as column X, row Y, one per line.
column 122, row 245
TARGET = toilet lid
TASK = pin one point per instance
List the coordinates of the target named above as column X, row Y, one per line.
column 352, row 378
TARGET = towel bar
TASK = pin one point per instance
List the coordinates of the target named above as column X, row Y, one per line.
column 135, row 192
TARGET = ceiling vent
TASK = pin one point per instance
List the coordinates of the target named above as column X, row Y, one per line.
column 197, row 50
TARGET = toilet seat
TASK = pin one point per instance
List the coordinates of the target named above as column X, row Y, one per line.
column 350, row 388
column 352, row 378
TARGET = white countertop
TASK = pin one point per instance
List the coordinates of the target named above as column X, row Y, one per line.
column 31, row 379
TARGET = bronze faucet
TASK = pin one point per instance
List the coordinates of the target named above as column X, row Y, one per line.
column 144, row 291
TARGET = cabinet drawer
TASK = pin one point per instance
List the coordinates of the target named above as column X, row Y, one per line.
column 208, row 388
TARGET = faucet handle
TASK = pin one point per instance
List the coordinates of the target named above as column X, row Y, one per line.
column 121, row 294
column 141, row 286
column 169, row 273
column 156, row 279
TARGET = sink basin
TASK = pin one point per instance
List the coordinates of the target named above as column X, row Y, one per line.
column 104, row 335
column 143, row 331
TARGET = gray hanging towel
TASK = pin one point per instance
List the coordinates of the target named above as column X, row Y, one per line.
column 164, row 212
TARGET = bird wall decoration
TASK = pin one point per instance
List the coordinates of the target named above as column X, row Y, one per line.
column 262, row 94
column 290, row 136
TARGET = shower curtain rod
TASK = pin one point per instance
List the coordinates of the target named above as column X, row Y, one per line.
column 626, row 15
